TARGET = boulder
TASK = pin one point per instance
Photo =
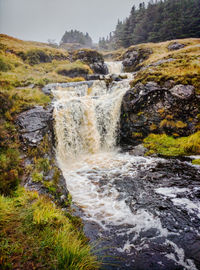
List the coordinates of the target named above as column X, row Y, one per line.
column 175, row 46
column 35, row 124
column 133, row 58
column 150, row 108
column 99, row 68
column 182, row 91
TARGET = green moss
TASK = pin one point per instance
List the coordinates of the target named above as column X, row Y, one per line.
column 180, row 124
column 169, row 123
column 153, row 127
column 165, row 123
column 42, row 164
column 196, row 162
column 4, row 66
column 35, row 234
column 37, row 177
column 137, row 134
column 10, row 170
column 169, row 146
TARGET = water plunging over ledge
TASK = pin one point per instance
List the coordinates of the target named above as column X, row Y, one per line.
column 128, row 197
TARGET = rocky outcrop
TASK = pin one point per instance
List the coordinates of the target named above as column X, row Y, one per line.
column 38, row 143
column 150, row 108
column 75, row 72
column 133, row 58
column 158, row 63
column 35, row 124
column 175, row 46
column 93, row 59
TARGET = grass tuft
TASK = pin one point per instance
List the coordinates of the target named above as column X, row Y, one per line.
column 35, row 234
column 168, row 146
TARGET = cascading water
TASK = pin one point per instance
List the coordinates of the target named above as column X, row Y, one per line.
column 115, row 67
column 108, row 185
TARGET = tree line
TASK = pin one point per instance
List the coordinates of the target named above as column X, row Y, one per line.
column 158, row 21
column 75, row 36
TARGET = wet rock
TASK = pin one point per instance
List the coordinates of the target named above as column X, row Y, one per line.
column 116, row 78
column 175, row 46
column 150, row 108
column 138, row 150
column 99, row 68
column 133, row 58
column 93, row 77
column 169, row 84
column 35, row 124
column 93, row 59
column 182, row 91
column 169, row 238
column 47, row 89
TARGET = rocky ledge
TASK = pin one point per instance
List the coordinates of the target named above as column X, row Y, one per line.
column 93, row 59
column 172, row 109
column 38, row 143
column 133, row 58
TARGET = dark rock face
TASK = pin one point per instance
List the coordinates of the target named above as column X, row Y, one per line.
column 175, row 46
column 99, row 68
column 93, row 59
column 34, row 124
column 151, row 109
column 133, row 58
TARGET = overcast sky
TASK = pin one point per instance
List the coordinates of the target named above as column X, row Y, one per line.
column 41, row 20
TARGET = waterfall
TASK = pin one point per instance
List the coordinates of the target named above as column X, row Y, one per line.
column 115, row 67
column 87, row 117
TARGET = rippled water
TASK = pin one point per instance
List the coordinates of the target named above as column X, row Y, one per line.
column 142, row 212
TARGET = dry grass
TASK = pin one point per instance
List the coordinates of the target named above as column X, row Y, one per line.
column 19, row 56
column 16, row 46
column 184, row 69
column 160, row 50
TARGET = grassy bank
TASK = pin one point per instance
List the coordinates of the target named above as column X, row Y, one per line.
column 35, row 234
column 23, row 63
column 183, row 69
column 169, row 146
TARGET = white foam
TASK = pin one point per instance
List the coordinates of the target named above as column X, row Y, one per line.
column 180, row 257
column 191, row 207
column 114, row 67
column 170, row 191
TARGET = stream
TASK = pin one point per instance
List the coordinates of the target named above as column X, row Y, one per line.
column 140, row 213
